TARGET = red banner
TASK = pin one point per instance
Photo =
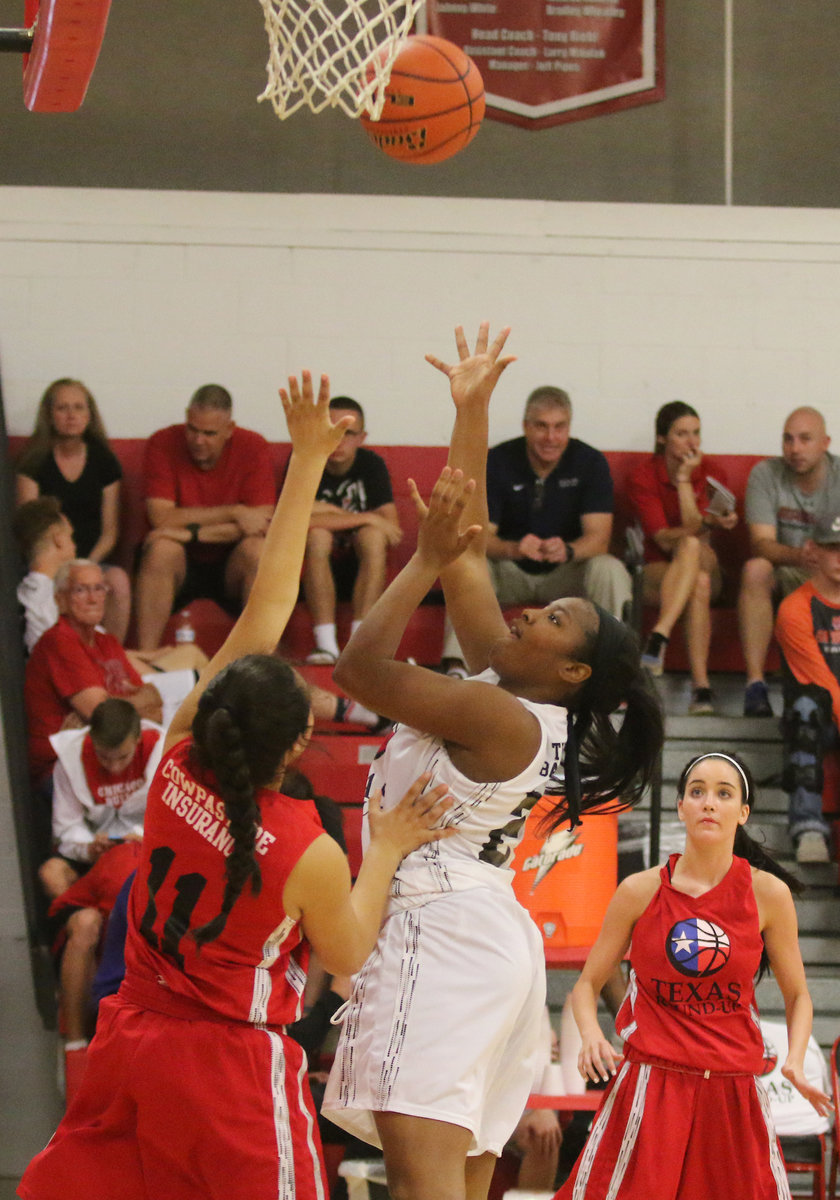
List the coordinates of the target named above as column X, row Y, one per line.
column 548, row 61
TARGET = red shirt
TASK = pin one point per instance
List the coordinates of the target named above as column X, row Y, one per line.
column 254, row 971
column 61, row 664
column 655, row 500
column 244, row 474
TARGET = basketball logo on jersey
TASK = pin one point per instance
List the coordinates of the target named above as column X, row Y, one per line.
column 697, row 947
column 770, row 1058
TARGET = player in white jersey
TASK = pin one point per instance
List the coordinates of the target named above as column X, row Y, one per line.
column 434, row 1061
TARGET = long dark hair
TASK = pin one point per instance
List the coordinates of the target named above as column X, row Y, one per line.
column 609, row 764
column 746, row 847
column 247, row 720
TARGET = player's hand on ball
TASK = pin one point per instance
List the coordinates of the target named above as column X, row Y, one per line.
column 473, row 378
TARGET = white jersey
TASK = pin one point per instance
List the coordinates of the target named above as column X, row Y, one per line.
column 489, row 817
column 88, row 800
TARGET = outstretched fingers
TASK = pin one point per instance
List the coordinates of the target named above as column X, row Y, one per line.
column 308, row 417
column 420, row 506
column 451, row 493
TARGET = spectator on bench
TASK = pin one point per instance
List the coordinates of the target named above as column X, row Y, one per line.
column 75, row 666
column 354, row 521
column 210, row 493
column 550, row 499
column 101, row 782
column 45, row 537
column 808, row 632
column 68, row 457
column 784, row 497
column 681, row 573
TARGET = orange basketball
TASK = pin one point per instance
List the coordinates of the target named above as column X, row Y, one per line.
column 434, row 103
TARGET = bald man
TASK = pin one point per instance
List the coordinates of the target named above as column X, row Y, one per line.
column 784, row 498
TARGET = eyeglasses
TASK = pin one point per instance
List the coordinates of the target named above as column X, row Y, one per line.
column 89, row 589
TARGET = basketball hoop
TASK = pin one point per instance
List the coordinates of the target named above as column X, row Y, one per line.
column 325, row 59
column 60, row 45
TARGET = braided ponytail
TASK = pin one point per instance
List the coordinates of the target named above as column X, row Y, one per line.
column 230, row 767
column 248, row 719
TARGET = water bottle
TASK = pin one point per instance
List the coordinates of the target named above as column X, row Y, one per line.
column 184, row 632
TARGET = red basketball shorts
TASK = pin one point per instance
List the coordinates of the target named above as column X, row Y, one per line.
column 173, row 1109
column 677, row 1136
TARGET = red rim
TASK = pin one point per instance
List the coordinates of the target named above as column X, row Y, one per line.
column 68, row 37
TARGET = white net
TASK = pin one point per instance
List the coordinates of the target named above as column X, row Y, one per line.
column 336, row 54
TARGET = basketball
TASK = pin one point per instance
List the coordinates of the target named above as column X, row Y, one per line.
column 434, row 103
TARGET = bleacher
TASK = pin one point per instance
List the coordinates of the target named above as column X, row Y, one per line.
column 424, row 636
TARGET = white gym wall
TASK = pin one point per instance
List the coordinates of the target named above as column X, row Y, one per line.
column 147, row 294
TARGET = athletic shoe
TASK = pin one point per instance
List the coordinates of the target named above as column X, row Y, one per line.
column 653, row 659
column 757, row 700
column 457, row 670
column 701, row 703
column 322, row 658
column 811, row 847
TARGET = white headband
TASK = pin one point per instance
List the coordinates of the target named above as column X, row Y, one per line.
column 726, row 758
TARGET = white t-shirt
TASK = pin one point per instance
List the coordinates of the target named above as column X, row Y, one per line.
column 489, row 817
column 36, row 593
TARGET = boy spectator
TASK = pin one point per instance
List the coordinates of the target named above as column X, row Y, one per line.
column 354, row 521
column 45, row 537
column 808, row 632
column 784, row 497
column 210, row 493
column 101, row 783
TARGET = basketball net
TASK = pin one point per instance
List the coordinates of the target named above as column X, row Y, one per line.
column 331, row 59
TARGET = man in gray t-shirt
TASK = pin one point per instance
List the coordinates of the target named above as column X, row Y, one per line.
column 784, row 497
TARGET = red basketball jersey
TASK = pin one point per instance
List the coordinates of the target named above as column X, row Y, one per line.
column 691, row 999
column 255, row 969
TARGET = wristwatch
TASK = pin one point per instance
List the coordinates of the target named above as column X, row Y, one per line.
column 570, row 552
column 193, row 528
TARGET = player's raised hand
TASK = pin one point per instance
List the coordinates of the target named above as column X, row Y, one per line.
column 440, row 539
column 475, row 375
column 308, row 418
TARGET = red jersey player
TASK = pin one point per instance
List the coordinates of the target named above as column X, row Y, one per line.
column 192, row 1087
column 685, row 1116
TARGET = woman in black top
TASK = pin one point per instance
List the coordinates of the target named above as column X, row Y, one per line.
column 68, row 456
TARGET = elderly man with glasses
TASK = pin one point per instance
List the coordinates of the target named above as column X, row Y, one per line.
column 75, row 665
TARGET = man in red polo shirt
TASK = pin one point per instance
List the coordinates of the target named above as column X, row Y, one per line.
column 210, row 493
column 75, row 665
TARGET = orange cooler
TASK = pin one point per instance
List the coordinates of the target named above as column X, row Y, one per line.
column 567, row 878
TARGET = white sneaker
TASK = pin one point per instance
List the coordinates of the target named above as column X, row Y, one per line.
column 812, row 847
column 322, row 658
